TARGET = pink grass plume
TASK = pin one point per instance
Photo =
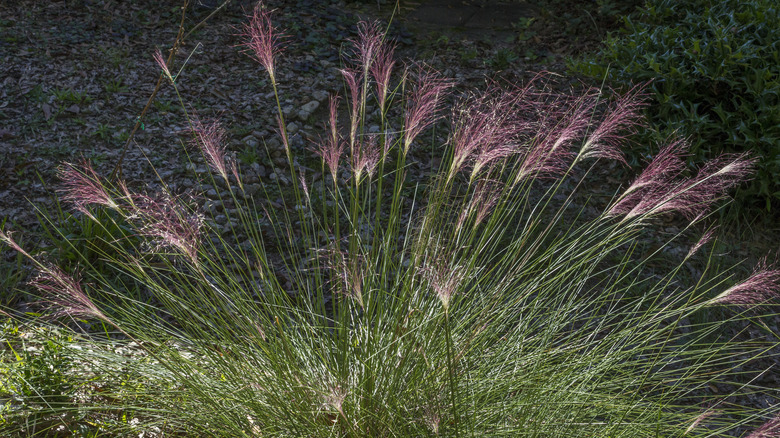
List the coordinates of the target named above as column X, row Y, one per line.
column 262, row 39
column 158, row 58
column 422, row 105
column 763, row 285
column 65, row 295
column 81, row 186
column 331, row 149
column 770, row 429
column 167, row 222
column 210, row 138
column 621, row 120
column 662, row 188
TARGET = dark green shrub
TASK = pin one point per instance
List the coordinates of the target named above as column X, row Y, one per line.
column 715, row 71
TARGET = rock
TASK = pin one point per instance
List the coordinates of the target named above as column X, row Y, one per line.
column 213, row 207
column 306, row 110
column 250, row 141
column 273, row 143
column 320, row 95
column 259, row 170
column 252, row 189
column 292, row 128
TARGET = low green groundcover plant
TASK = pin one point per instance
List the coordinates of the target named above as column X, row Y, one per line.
column 488, row 300
column 715, row 71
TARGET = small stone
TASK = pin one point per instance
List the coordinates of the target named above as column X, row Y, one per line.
column 250, row 141
column 213, row 206
column 252, row 189
column 212, row 194
column 320, row 95
column 306, row 110
column 273, row 143
column 292, row 128
column 220, row 219
column 259, row 170
column 373, row 129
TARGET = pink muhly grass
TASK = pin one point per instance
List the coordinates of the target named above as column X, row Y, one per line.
column 485, row 131
column 6, row 237
column 553, row 125
column 770, row 429
column 262, row 39
column 331, row 149
column 283, row 134
column 305, row 187
column 158, row 58
column 657, row 176
column 348, row 271
column 210, row 138
column 375, row 57
column 443, row 279
column 234, row 171
column 422, row 105
column 381, row 70
column 485, row 197
column 661, row 192
column 620, row 121
column 709, row 412
column 81, row 186
column 368, row 44
column 366, row 157
column 65, row 295
column 165, row 220
column 762, row 286
column 705, row 239
column 543, row 159
column 356, row 96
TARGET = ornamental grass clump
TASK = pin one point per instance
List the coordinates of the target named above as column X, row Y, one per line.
column 486, row 300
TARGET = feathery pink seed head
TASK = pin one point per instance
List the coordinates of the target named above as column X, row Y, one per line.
column 703, row 240
column 81, row 186
column 262, row 39
column 305, row 187
column 351, row 77
column 6, row 237
column 621, row 120
column 761, row 286
column 330, row 150
column 368, row 44
column 158, row 58
column 166, row 221
column 443, row 279
column 421, row 109
column 381, row 70
column 283, row 134
column 659, row 189
column 210, row 138
column 366, row 157
column 770, row 429
column 65, row 295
